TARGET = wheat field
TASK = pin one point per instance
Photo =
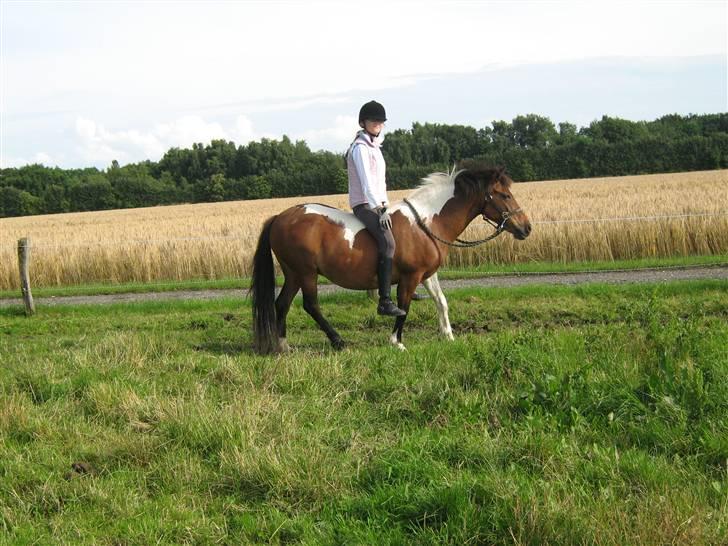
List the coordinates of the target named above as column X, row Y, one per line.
column 573, row 221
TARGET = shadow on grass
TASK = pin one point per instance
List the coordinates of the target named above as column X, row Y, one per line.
column 245, row 347
column 225, row 347
column 12, row 311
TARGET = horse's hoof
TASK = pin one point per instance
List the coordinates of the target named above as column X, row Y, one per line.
column 283, row 347
column 338, row 344
column 398, row 344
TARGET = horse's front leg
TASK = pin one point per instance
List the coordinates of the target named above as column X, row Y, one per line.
column 405, row 289
column 433, row 288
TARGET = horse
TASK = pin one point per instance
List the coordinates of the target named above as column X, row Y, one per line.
column 311, row 239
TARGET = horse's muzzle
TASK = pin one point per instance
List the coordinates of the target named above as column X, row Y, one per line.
column 520, row 232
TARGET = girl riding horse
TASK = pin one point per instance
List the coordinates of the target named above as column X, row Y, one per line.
column 311, row 240
column 368, row 196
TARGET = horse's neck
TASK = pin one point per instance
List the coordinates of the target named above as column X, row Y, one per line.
column 454, row 217
column 439, row 207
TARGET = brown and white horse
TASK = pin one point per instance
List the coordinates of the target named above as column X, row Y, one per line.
column 311, row 240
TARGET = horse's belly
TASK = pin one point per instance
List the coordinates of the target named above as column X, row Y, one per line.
column 350, row 267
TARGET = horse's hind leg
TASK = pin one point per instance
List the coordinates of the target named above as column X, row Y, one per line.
column 311, row 305
column 283, row 304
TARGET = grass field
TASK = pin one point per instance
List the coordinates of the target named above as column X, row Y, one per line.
column 591, row 415
column 216, row 241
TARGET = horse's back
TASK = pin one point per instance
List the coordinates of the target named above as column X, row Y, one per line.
column 328, row 222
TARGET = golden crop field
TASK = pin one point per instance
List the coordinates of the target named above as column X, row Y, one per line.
column 213, row 241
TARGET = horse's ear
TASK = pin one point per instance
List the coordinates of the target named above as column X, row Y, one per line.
column 500, row 170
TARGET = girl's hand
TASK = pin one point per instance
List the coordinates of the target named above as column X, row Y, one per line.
column 385, row 221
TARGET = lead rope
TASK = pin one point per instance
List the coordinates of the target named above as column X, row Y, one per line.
column 459, row 242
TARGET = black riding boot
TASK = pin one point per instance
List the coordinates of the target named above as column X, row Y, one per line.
column 386, row 305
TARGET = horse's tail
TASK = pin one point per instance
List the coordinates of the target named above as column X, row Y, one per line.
column 263, row 290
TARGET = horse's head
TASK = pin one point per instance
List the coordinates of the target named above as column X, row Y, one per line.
column 490, row 190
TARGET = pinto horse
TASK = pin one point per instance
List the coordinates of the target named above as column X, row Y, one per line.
column 311, row 240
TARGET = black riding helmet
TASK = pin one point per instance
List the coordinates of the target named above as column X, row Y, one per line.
column 373, row 111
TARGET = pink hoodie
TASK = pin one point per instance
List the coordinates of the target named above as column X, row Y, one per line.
column 366, row 169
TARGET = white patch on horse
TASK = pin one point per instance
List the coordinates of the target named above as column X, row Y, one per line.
column 351, row 224
column 430, row 197
column 394, row 341
column 432, row 285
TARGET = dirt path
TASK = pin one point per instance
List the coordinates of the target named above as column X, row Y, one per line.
column 612, row 277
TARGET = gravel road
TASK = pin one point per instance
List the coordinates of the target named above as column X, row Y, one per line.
column 612, row 277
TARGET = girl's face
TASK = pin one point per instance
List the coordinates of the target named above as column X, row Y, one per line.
column 373, row 127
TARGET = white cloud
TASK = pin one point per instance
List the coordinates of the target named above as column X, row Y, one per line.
column 185, row 131
column 336, row 137
column 40, row 157
column 44, row 158
column 289, row 104
column 243, row 131
column 97, row 144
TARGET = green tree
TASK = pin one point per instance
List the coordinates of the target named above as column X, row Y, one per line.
column 615, row 130
column 533, row 131
column 54, row 199
column 92, row 192
column 211, row 190
column 427, row 146
column 257, row 187
column 567, row 133
column 134, row 187
column 15, row 202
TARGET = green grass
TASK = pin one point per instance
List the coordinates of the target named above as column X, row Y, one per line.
column 445, row 273
column 576, row 267
column 564, row 415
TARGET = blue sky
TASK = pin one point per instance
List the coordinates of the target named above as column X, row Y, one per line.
column 83, row 83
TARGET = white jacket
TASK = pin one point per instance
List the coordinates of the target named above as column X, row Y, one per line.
column 367, row 171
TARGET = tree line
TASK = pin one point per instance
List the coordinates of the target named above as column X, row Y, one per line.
column 531, row 147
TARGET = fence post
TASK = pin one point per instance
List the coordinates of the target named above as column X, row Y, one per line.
column 23, row 259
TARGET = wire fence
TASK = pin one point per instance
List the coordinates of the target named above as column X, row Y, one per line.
column 136, row 241
column 631, row 218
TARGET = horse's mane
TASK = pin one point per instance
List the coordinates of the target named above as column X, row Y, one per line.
column 468, row 176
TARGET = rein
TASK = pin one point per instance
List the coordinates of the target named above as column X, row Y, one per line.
column 459, row 243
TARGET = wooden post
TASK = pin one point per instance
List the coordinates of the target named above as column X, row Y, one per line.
column 23, row 259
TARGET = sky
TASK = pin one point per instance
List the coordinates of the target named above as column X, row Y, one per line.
column 85, row 83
